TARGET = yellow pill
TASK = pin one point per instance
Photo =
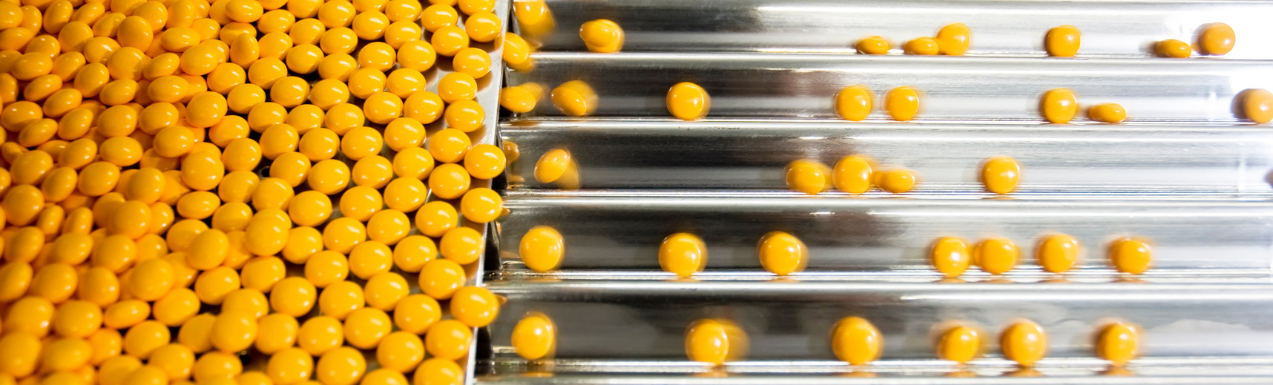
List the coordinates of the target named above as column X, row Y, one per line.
column 809, row 177
column 320, row 334
column 534, row 337
column 481, row 205
column 517, row 99
column 143, row 338
column 465, row 115
column 954, row 39
column 399, row 352
column 715, row 341
column 456, row 86
column 960, row 344
column 902, row 103
column 342, row 234
column 854, row 103
column 542, row 249
column 950, row 256
column 852, row 174
column 1063, row 41
column 448, row 339
column 326, row 268
column 482, row 27
column 290, row 366
column 683, row 254
column 782, row 253
column 216, row 365
column 151, row 279
column 575, row 98
column 440, row 278
column 416, row 55
column 341, row 366
column 856, row 341
column 233, row 331
column 921, row 46
column 1000, row 175
column 1131, row 255
column 873, row 45
column 1172, row 48
column 449, row 181
column 365, row 327
column 416, row 313
column 1107, row 112
column 1217, row 39
column 516, row 52
column 462, row 245
column 1059, row 105
column 1058, row 253
column 449, row 40
column 1024, row 342
column 474, row 62
column 1118, row 343
column 603, row 36
column 995, row 255
column 1257, row 105
column 688, row 101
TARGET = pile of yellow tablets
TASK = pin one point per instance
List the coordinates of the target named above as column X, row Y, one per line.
column 239, row 191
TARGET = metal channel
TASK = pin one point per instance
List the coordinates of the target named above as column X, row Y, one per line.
column 724, row 154
column 789, row 320
column 961, row 88
column 998, row 28
column 607, row 231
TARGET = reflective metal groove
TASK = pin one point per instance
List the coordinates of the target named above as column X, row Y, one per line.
column 963, row 88
column 610, row 231
column 724, row 154
column 1124, row 28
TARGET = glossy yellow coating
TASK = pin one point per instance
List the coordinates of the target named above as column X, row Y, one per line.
column 921, row 46
column 854, row 103
column 290, row 366
column 1172, row 48
column 575, row 98
column 950, row 256
column 808, row 176
column 995, row 255
column 856, row 341
column 782, row 253
column 683, row 254
column 341, row 366
column 1131, row 255
column 959, row 344
column 1058, row 106
column 715, row 341
column 1063, row 41
column 1024, row 342
column 416, row 313
column 1058, row 253
column 688, row 101
column 1000, row 175
column 1107, row 113
column 1216, row 39
column 873, row 45
column 895, row 180
column 1257, row 105
column 1118, row 343
column 535, row 336
column 902, row 103
column 953, row 39
column 602, row 36
column 440, row 278
column 852, row 174
column 542, row 248
column 448, row 339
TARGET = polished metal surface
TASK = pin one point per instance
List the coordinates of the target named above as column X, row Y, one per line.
column 965, row 88
column 724, row 154
column 605, row 231
column 998, row 27
column 790, row 320
column 1185, row 173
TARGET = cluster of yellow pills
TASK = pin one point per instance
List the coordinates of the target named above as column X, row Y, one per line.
column 857, row 342
column 191, row 181
column 1059, row 253
column 1215, row 39
column 852, row 174
column 951, row 40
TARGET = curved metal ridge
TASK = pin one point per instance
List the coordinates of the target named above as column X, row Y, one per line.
column 958, row 88
column 998, row 27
